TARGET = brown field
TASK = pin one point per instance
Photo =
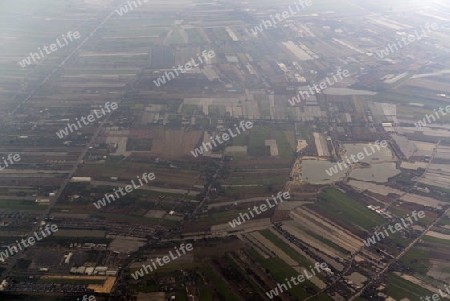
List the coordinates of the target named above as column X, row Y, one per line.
column 281, row 215
column 164, row 177
column 173, row 144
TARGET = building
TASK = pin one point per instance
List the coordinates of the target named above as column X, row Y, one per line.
column 80, row 179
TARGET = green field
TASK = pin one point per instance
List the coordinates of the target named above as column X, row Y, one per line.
column 20, row 205
column 284, row 147
column 397, row 239
column 221, row 287
column 280, row 271
column 225, row 217
column 399, row 288
column 217, row 110
column 346, row 209
column 261, row 133
column 444, row 222
column 285, row 248
column 244, row 278
column 195, row 37
column 257, row 179
column 206, row 293
column 239, row 140
column 169, row 268
column 305, row 135
column 406, row 99
column 417, row 259
column 329, row 243
column 258, row 138
column 16, row 297
column 436, row 240
column 132, row 218
column 264, row 107
column 189, row 109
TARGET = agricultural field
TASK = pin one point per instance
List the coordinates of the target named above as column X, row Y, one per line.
column 164, row 115
column 346, row 210
column 399, row 288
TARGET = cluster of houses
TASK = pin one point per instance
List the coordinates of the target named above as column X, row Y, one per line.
column 92, row 271
column 383, row 211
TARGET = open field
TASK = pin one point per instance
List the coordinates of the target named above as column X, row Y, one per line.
column 399, row 288
column 286, row 248
column 280, row 271
column 80, row 233
column 155, row 128
column 347, row 210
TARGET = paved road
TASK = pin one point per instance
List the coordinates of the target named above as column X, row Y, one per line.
column 209, row 187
